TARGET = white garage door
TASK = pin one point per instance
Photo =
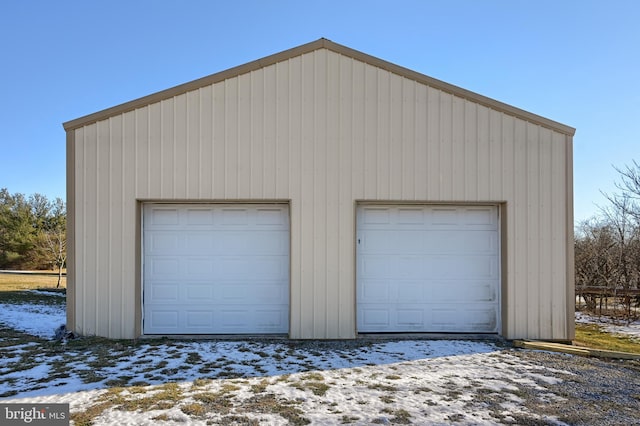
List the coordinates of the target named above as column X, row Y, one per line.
column 215, row 269
column 428, row 269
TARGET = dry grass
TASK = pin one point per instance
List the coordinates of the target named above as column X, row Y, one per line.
column 593, row 336
column 12, row 282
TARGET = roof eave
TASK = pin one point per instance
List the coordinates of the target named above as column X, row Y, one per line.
column 307, row 48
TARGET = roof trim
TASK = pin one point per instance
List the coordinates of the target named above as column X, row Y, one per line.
column 322, row 43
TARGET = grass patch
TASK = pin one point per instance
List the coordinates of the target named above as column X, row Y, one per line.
column 20, row 297
column 270, row 404
column 260, row 387
column 12, row 282
column 382, row 387
column 399, row 416
column 313, row 382
column 593, row 336
column 194, row 409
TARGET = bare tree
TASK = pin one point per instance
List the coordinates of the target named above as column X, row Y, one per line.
column 607, row 247
column 52, row 240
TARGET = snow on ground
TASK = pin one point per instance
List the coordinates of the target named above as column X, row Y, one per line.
column 271, row 382
column 610, row 325
column 38, row 320
column 429, row 382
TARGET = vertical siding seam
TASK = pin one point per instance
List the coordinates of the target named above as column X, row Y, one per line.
column 186, row 142
column 526, row 214
column 252, row 127
column 214, row 126
column 463, row 107
column 475, row 143
column 326, row 143
column 84, row 230
column 451, row 152
column 123, row 278
column 314, row 218
column 97, row 247
column 160, row 125
column 570, row 238
column 148, row 142
column 415, row 141
column 236, row 124
column 539, row 231
column 301, row 195
column 276, row 106
column 377, row 135
column 225, row 185
column 502, row 177
column 109, row 228
column 389, row 137
column 174, row 136
column 200, row 108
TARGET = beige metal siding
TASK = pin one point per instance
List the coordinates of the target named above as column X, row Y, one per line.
column 323, row 130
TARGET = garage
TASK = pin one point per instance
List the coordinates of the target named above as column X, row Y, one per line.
column 215, row 269
column 319, row 193
column 428, row 269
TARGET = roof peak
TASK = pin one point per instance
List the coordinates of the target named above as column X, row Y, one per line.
column 321, row 43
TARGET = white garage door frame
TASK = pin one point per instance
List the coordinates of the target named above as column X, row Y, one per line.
column 267, row 311
column 392, row 304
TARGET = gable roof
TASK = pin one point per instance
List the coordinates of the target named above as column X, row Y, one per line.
column 322, row 43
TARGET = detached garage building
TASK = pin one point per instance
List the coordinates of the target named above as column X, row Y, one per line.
column 319, row 193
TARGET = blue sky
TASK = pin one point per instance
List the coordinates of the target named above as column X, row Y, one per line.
column 576, row 62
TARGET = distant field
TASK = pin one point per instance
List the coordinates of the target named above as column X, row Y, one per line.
column 12, row 282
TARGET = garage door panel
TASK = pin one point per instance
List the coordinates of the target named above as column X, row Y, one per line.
column 373, row 242
column 375, row 266
column 461, row 267
column 195, row 243
column 165, row 292
column 427, row 268
column 410, row 318
column 483, row 217
column 198, row 292
column 410, row 267
column 213, row 269
column 261, row 321
column 410, row 216
column 375, row 318
column 201, row 319
column 375, row 291
column 198, row 267
column 482, row 319
column 164, row 242
column 235, row 217
column 162, row 217
column 268, row 217
column 256, row 294
column 444, row 217
column 167, row 319
column 445, row 319
column 163, row 267
column 411, row 291
column 376, row 215
column 199, row 216
column 462, row 291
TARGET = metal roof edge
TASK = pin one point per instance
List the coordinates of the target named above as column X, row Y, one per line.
column 307, row 48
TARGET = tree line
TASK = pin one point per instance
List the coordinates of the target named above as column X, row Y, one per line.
column 607, row 250
column 32, row 232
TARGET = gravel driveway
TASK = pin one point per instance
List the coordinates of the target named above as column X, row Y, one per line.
column 595, row 391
